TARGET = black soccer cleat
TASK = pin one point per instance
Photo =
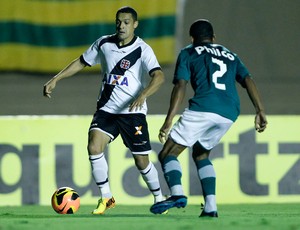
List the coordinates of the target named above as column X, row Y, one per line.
column 209, row 214
column 171, row 202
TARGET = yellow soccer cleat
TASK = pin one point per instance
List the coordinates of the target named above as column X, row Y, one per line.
column 104, row 204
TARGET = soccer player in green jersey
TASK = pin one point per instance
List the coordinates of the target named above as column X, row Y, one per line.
column 212, row 71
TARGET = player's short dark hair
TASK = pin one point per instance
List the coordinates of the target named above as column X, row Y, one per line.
column 201, row 29
column 128, row 10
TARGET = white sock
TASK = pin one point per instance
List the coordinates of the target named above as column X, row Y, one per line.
column 177, row 190
column 100, row 174
column 210, row 203
column 150, row 176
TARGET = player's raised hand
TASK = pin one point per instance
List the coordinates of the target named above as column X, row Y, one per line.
column 260, row 121
column 48, row 87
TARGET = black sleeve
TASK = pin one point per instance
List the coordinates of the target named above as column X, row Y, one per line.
column 83, row 61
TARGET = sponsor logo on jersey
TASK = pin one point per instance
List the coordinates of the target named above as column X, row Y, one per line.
column 114, row 79
column 125, row 64
column 214, row 51
column 138, row 130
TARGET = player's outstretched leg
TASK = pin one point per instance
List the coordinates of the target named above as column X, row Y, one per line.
column 172, row 172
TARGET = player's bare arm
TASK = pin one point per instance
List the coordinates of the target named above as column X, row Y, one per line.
column 260, row 118
column 74, row 67
column 157, row 79
column 177, row 96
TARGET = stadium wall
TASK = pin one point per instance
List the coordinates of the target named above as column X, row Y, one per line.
column 41, row 153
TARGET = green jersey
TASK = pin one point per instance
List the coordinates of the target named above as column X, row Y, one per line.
column 213, row 72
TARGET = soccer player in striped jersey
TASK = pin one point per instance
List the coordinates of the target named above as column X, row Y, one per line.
column 212, row 70
column 125, row 60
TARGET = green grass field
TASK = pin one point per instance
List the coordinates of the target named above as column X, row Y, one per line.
column 252, row 216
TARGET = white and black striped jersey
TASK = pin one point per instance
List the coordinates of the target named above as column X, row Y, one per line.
column 124, row 69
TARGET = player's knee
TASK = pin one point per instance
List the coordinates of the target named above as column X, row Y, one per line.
column 141, row 161
column 170, row 148
column 161, row 156
column 197, row 156
column 93, row 149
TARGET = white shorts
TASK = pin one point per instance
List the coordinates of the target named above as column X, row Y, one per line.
column 207, row 128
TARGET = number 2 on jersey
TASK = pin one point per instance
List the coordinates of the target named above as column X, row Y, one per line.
column 219, row 73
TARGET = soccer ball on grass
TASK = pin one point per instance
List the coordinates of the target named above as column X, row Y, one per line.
column 65, row 200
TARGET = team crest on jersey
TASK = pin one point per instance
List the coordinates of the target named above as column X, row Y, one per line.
column 125, row 64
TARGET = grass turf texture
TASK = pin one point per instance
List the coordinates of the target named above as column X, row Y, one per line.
column 243, row 216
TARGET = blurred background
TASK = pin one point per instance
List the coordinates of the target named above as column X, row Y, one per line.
column 39, row 38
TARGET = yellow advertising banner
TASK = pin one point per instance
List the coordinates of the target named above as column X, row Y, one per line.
column 38, row 154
